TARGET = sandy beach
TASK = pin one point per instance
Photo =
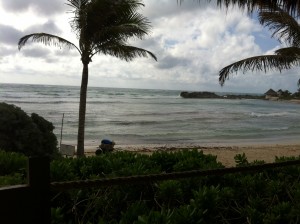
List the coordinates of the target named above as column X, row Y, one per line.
column 225, row 153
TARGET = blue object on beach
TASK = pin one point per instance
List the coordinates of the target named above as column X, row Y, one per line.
column 106, row 141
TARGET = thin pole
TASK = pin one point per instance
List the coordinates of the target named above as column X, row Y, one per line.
column 61, row 130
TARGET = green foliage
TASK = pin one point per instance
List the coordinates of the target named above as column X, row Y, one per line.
column 169, row 193
column 48, row 138
column 62, row 171
column 57, row 216
column 11, row 162
column 269, row 196
column 131, row 214
column 184, row 160
column 241, row 160
column 156, row 217
column 10, row 180
column 32, row 136
column 12, row 168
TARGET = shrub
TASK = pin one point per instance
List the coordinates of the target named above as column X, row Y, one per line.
column 12, row 168
column 32, row 136
column 11, row 162
column 48, row 138
column 269, row 196
column 14, row 179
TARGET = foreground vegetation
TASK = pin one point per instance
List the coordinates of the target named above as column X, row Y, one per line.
column 272, row 196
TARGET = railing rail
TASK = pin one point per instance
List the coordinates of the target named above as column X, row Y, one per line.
column 28, row 203
column 62, row 186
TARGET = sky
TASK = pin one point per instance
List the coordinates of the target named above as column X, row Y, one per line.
column 192, row 42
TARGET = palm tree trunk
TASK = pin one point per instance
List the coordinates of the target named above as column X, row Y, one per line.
column 82, row 110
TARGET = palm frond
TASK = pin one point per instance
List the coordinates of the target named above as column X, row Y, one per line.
column 107, row 13
column 125, row 52
column 78, row 22
column 283, row 25
column 111, row 23
column 259, row 63
column 289, row 51
column 134, row 25
column 47, row 39
column 77, row 4
column 290, row 6
column 121, row 32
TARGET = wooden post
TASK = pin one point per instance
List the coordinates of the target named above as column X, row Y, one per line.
column 39, row 182
column 61, row 130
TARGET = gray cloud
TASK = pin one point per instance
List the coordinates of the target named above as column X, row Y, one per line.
column 192, row 42
column 9, row 35
column 5, row 51
column 48, row 27
column 168, row 62
column 36, row 52
column 157, row 9
column 42, row 7
column 67, row 52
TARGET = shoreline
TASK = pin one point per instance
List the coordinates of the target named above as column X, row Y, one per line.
column 225, row 152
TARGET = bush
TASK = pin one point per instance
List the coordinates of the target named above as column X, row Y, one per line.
column 11, row 162
column 270, row 196
column 14, row 179
column 32, row 136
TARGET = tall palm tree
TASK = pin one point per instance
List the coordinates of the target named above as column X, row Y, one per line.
column 287, row 30
column 101, row 26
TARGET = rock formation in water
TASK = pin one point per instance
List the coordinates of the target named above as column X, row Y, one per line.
column 199, row 95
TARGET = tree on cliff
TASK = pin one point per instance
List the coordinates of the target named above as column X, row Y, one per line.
column 101, row 26
column 286, row 28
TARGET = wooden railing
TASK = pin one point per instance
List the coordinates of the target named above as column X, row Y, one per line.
column 30, row 203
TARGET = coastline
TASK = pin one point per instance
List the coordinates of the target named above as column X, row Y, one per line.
column 225, row 152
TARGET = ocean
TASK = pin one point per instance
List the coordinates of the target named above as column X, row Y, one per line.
column 143, row 116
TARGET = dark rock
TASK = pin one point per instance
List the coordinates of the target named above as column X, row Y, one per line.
column 199, row 95
column 211, row 95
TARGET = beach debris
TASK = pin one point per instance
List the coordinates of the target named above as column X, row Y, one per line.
column 105, row 146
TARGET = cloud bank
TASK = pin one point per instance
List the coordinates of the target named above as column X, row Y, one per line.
column 192, row 42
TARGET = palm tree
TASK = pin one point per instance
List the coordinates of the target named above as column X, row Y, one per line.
column 291, row 6
column 101, row 26
column 287, row 30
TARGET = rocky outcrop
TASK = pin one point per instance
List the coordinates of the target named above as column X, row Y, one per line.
column 211, row 95
column 199, row 95
column 246, row 96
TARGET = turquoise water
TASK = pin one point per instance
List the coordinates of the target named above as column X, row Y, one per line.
column 138, row 116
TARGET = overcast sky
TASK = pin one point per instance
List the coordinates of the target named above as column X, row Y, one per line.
column 192, row 43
